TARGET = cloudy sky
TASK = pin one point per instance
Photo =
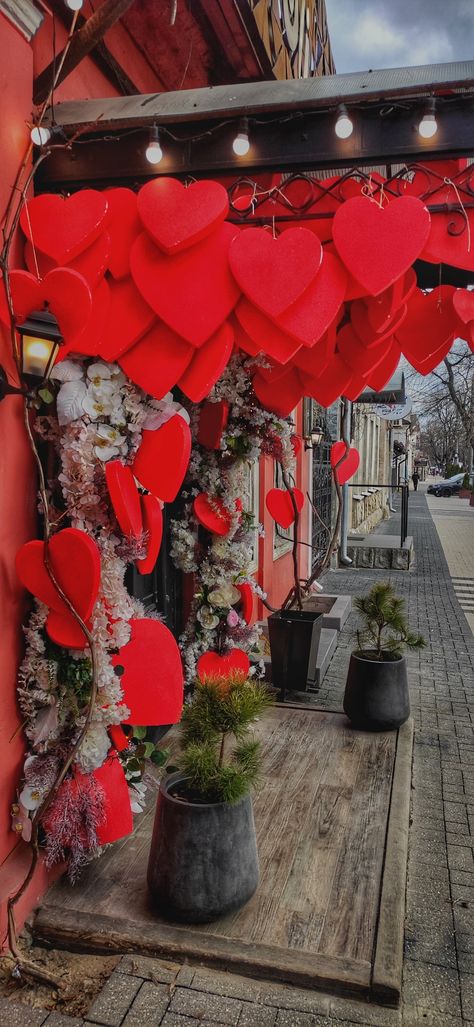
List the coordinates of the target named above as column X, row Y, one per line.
column 395, row 33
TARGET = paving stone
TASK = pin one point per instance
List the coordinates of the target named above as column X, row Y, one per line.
column 467, row 995
column 215, row 1007
column 431, row 987
column 114, row 1000
column 291, row 1018
column 149, row 1006
column 257, row 1016
column 158, row 970
column 56, row 1019
column 17, row 1014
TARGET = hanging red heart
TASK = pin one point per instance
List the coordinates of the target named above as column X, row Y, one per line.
column 271, row 371
column 124, row 226
column 162, row 459
column 91, row 263
column 282, row 396
column 378, row 244
column 152, row 678
column 211, row 512
column 309, row 318
column 157, row 361
column 355, row 387
column 429, row 326
column 194, row 291
column 463, row 303
column 273, row 273
column 63, row 228
column 129, row 319
column 246, row 601
column 88, row 342
column 207, row 364
column 363, row 328
column 118, row 821
column 382, row 309
column 280, row 507
column 313, row 361
column 452, row 230
column 213, row 419
column 212, row 665
column 378, row 378
column 242, row 339
column 267, row 335
column 65, row 291
column 178, row 216
column 125, row 498
column 360, row 358
column 331, row 384
column 344, row 466
column 152, row 516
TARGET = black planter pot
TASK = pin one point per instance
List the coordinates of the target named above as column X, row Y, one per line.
column 376, row 696
column 203, row 859
column 294, row 642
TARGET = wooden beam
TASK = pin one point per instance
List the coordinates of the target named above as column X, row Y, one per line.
column 83, row 41
column 101, row 54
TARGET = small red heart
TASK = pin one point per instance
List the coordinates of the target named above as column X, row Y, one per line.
column 246, row 601
column 194, row 291
column 281, row 396
column 378, row 244
column 152, row 516
column 124, row 227
column 363, row 328
column 125, row 497
column 381, row 310
column 65, row 291
column 332, row 383
column 463, row 303
column 356, row 355
column 429, row 327
column 177, row 216
column 269, row 337
column 213, row 665
column 92, row 263
column 162, row 458
column 347, row 466
column 152, row 679
column 63, row 228
column 213, row 419
column 211, row 512
column 129, row 318
column 273, row 273
column 378, row 378
column 207, row 364
column 309, row 318
column 158, row 360
column 279, row 505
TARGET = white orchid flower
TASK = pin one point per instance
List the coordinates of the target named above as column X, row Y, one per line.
column 31, row 798
column 108, row 442
column 98, row 373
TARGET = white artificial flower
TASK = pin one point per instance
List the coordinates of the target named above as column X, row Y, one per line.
column 207, row 618
column 98, row 373
column 108, row 442
column 31, row 798
column 67, row 371
column 94, row 748
column 226, row 595
column 97, row 403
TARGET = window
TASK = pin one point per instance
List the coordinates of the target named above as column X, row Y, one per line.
column 282, row 537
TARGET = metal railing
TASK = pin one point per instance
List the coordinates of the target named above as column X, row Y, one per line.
column 401, row 487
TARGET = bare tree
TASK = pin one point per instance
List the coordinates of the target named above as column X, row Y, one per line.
column 445, row 404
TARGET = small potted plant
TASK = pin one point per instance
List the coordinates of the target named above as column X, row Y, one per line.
column 376, row 696
column 203, row 860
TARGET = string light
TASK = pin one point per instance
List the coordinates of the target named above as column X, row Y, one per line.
column 154, row 153
column 74, row 5
column 428, row 126
column 241, row 144
column 343, row 127
column 40, row 135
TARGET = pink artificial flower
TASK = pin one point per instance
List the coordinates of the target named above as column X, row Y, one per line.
column 232, row 618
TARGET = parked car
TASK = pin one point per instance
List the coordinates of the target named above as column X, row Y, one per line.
column 450, row 486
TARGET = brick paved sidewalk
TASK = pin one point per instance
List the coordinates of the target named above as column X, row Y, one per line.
column 438, row 986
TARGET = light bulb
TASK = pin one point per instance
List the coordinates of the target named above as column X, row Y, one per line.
column 241, row 144
column 343, row 127
column 39, row 135
column 153, row 152
column 428, row 126
column 74, row 5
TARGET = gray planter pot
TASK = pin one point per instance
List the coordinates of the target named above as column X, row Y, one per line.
column 376, row 696
column 203, row 859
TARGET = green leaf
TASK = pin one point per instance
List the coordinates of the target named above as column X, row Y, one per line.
column 159, row 757
column 139, row 732
column 148, row 748
column 46, row 395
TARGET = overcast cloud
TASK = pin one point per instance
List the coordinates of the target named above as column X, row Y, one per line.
column 395, row 33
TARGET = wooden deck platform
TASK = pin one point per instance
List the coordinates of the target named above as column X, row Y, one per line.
column 332, row 826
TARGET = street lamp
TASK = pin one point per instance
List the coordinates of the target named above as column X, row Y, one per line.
column 40, row 339
column 315, row 438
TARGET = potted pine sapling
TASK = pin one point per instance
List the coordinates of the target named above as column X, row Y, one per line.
column 376, row 696
column 203, row 860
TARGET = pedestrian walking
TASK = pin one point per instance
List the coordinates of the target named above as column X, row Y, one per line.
column 415, row 479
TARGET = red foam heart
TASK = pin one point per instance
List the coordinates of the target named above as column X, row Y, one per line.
column 451, row 230
column 117, row 736
column 312, row 361
column 63, row 228
column 129, row 318
column 463, row 303
column 207, row 364
column 152, row 680
column 279, row 505
column 280, row 396
column 125, row 497
column 273, row 273
column 213, row 665
column 363, row 328
column 63, row 629
column 429, row 326
column 91, row 263
column 378, row 244
column 88, row 341
column 269, row 337
column 194, row 291
column 344, row 466
column 242, row 338
column 124, row 226
column 157, row 361
column 270, row 371
column 378, row 378
column 356, row 385
column 332, row 383
column 246, row 601
column 309, row 318
column 213, row 419
column 118, row 814
column 212, row 514
column 356, row 355
column 65, row 291
column 177, row 216
column 162, row 458
column 381, row 310
column 152, row 516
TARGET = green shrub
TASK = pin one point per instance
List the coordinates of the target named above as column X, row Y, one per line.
column 385, row 628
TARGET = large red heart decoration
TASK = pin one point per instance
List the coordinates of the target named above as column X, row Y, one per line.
column 354, row 388
column 463, row 303
column 63, row 228
column 152, row 516
column 194, row 291
column 331, row 384
column 246, row 601
column 281, row 396
column 91, row 263
column 313, row 361
column 279, row 505
column 271, row 371
column 162, row 458
column 359, row 357
column 124, row 226
column 378, row 244
column 88, row 341
column 158, row 360
column 65, row 291
column 309, row 318
column 125, row 497
column 344, row 466
column 211, row 512
column 363, row 327
column 382, row 309
column 378, row 378
column 449, row 241
column 75, row 561
column 207, row 364
column 269, row 337
column 213, row 665
column 213, row 419
column 429, row 327
column 273, row 273
column 152, row 678
column 177, row 216
column 118, row 820
column 242, row 339
column 129, row 318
